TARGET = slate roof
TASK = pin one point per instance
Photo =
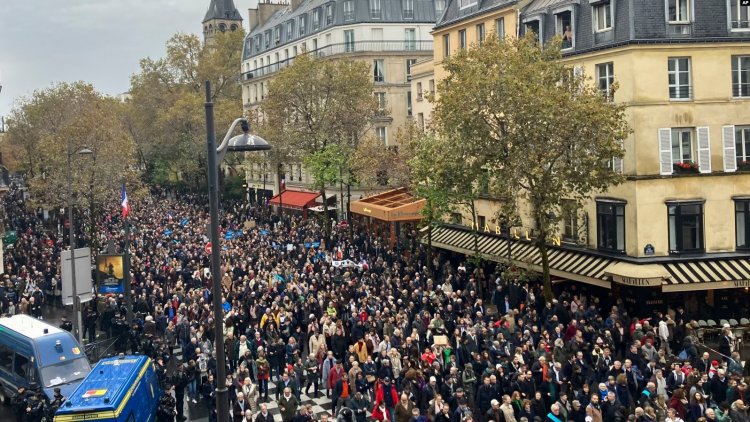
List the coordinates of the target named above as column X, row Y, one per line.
column 391, row 12
column 454, row 14
column 222, row 9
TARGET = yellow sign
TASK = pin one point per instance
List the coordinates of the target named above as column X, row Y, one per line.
column 367, row 210
column 516, row 233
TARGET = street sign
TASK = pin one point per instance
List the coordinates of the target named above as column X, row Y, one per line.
column 208, row 248
column 83, row 276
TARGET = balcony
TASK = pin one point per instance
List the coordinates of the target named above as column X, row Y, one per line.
column 344, row 48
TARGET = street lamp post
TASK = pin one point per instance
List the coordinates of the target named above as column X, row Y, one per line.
column 240, row 143
column 72, row 238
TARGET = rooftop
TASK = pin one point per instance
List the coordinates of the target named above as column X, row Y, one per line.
column 222, row 9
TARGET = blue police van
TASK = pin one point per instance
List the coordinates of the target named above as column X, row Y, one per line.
column 34, row 355
column 118, row 389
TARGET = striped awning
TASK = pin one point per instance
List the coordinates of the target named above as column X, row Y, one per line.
column 570, row 264
column 707, row 274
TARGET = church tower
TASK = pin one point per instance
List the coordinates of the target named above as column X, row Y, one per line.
column 221, row 16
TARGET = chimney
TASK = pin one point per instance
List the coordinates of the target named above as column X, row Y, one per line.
column 253, row 19
column 267, row 9
column 295, row 4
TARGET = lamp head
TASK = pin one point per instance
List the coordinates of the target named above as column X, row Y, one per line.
column 247, row 142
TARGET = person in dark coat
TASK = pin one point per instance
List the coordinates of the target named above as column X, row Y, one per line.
column 264, row 415
column 359, row 405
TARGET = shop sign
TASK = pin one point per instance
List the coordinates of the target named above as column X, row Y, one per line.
column 515, row 233
column 742, row 283
column 637, row 281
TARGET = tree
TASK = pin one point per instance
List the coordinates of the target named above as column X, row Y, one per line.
column 317, row 107
column 60, row 120
column 167, row 95
column 545, row 132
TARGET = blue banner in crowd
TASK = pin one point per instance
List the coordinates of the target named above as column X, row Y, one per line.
column 184, row 222
column 229, row 235
column 167, row 232
column 263, row 232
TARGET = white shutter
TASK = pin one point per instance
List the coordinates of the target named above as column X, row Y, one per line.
column 704, row 149
column 665, row 151
column 730, row 155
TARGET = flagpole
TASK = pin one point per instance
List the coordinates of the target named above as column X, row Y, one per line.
column 126, row 267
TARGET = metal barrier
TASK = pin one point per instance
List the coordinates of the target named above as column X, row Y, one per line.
column 99, row 349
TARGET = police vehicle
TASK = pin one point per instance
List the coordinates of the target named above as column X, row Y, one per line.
column 118, row 389
column 34, row 354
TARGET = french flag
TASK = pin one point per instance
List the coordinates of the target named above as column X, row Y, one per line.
column 125, row 203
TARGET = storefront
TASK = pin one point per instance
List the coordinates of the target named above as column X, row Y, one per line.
column 717, row 286
column 295, row 201
column 394, row 215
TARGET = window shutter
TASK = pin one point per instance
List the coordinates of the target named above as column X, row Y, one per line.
column 730, row 155
column 704, row 149
column 665, row 151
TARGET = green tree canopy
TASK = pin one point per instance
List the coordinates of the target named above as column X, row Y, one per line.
column 541, row 131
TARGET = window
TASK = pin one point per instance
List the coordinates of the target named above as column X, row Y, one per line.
column 500, row 27
column 408, row 9
column 480, row 33
column 380, row 96
column 742, row 144
column 289, row 30
column 446, row 45
column 21, row 366
column 685, row 227
column 679, row 78
column 268, row 39
column 349, row 40
column 277, row 35
column 432, row 86
column 375, row 9
column 378, row 69
column 466, row 3
column 602, row 17
column 6, row 358
column 534, row 26
column 302, row 25
column 564, row 27
column 605, row 75
column 316, row 19
column 382, row 133
column 678, row 11
column 682, row 146
column 420, row 121
column 315, row 44
column 740, row 15
column 410, row 37
column 409, row 64
column 408, row 104
column 439, row 7
column 742, row 223
column 741, row 76
column 570, row 220
column 349, row 10
column 610, row 226
column 329, row 13
column 419, row 91
column 462, row 39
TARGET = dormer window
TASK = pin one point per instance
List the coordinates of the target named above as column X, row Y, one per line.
column 329, row 14
column 564, row 28
column 277, row 35
column 316, row 19
column 602, row 13
column 375, row 11
column 290, row 30
column 534, row 26
column 739, row 15
column 302, row 25
column 678, row 11
column 462, row 4
column 408, row 9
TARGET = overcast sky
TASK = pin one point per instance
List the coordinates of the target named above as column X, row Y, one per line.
column 97, row 41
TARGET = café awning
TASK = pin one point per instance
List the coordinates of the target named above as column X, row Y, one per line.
column 392, row 205
column 646, row 275
column 704, row 274
column 569, row 264
column 295, row 199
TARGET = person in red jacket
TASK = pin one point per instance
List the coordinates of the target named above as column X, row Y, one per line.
column 336, row 373
column 385, row 393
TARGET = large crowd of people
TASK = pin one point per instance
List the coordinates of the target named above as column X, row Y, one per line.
column 400, row 336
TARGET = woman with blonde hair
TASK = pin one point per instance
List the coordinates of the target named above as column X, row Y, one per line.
column 396, row 365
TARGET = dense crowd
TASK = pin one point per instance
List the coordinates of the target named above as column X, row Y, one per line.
column 400, row 336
